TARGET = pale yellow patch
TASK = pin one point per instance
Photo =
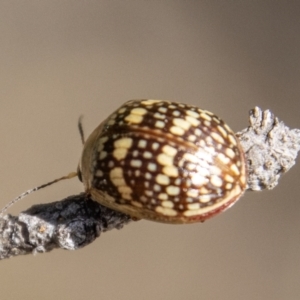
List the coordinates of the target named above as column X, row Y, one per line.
column 162, row 196
column 207, row 123
column 203, row 190
column 217, row 137
column 166, row 211
column 228, row 186
column 162, row 179
column 216, row 120
column 152, row 167
column 171, row 151
column 177, row 130
column 116, row 172
column 177, row 181
column 191, row 213
column 176, row 113
column 121, row 110
column 190, row 167
column 190, row 157
column 222, row 131
column 136, row 163
column 124, row 189
column 124, row 142
column 198, row 132
column 142, row 143
column 135, row 119
column 157, row 188
column 149, row 193
column 173, row 190
column 138, row 111
column 147, row 155
column 216, row 181
column 155, row 146
column 159, row 124
column 111, row 122
column 192, row 193
column 232, row 139
column 103, row 139
column 198, row 180
column 164, row 159
column 119, row 182
column 228, row 178
column 243, row 179
column 168, row 204
column 205, row 116
column 192, row 138
column 193, row 121
column 227, row 127
column 205, row 198
column 208, row 112
column 214, row 170
column 209, row 141
column 237, row 190
column 170, row 171
column 150, row 102
column 159, row 116
column 102, row 155
column 224, row 159
column 162, row 109
column 234, row 169
column 120, row 153
column 185, row 125
column 229, row 152
column 193, row 206
column 192, row 114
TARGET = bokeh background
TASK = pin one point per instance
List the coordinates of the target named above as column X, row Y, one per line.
column 61, row 59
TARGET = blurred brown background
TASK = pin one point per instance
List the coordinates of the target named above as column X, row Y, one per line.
column 60, row 59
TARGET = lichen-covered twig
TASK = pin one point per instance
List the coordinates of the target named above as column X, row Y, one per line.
column 69, row 224
column 270, row 149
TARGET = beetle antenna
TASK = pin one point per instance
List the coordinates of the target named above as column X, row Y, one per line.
column 9, row 204
column 80, row 128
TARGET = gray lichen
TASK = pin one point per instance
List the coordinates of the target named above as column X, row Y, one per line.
column 69, row 224
column 270, row 148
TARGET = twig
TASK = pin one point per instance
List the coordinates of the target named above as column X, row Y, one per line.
column 270, row 149
column 69, row 224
